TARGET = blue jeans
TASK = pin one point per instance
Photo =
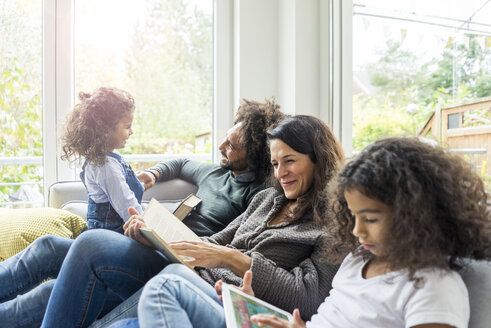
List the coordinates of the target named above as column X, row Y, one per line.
column 103, row 216
column 127, row 309
column 178, row 297
column 100, row 264
column 97, row 271
column 23, row 298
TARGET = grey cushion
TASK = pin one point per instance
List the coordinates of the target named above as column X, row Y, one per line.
column 72, row 196
column 477, row 277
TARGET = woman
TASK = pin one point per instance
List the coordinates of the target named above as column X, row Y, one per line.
column 279, row 239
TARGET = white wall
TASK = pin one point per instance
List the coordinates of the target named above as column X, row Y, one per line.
column 255, row 49
column 282, row 48
column 276, row 52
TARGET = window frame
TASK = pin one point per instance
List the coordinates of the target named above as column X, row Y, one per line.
column 59, row 83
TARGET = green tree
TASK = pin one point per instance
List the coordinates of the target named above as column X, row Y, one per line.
column 396, row 71
column 171, row 57
column 20, row 90
column 464, row 63
column 408, row 89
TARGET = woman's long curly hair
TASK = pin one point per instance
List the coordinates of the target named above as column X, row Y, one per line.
column 255, row 119
column 88, row 125
column 439, row 206
column 311, row 136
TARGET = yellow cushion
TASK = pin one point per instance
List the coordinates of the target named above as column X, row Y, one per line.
column 20, row 227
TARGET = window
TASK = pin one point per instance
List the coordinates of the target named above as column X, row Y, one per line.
column 160, row 52
column 454, row 121
column 21, row 148
column 423, row 68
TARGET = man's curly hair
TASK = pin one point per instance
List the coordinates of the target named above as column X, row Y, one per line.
column 88, row 125
column 439, row 205
column 255, row 119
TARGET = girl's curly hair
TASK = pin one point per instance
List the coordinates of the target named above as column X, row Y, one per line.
column 439, row 206
column 90, row 122
column 311, row 136
column 255, row 119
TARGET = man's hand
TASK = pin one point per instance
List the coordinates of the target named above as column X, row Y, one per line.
column 272, row 321
column 147, row 178
column 132, row 227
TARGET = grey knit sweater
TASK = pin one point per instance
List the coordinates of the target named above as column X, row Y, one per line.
column 287, row 261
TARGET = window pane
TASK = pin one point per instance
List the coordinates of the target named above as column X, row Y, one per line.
column 159, row 51
column 414, row 58
column 21, row 150
column 454, row 121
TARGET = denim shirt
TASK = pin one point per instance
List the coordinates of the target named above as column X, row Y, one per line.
column 103, row 214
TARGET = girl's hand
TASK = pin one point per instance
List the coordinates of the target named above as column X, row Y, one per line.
column 247, row 283
column 132, row 227
column 146, row 178
column 208, row 255
column 275, row 322
column 246, row 286
column 218, row 289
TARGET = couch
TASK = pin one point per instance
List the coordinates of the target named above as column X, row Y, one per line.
column 71, row 196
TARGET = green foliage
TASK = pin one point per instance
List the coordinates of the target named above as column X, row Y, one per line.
column 176, row 70
column 21, row 126
column 375, row 119
column 20, row 90
column 167, row 67
column 464, row 63
column 483, row 86
column 397, row 70
column 408, row 90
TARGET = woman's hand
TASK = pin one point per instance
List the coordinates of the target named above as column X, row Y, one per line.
column 246, row 285
column 132, row 227
column 275, row 322
column 208, row 255
column 147, row 178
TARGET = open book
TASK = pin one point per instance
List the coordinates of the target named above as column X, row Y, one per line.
column 163, row 227
column 240, row 307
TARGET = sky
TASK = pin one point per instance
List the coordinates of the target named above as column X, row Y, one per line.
column 427, row 40
column 111, row 22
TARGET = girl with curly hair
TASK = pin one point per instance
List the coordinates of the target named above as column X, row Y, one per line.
column 98, row 125
column 410, row 213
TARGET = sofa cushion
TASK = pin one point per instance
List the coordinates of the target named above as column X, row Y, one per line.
column 477, row 278
column 20, row 227
column 76, row 207
column 72, row 196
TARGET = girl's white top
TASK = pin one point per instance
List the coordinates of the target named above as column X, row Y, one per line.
column 391, row 300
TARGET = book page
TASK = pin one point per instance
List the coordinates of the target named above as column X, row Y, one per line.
column 165, row 224
column 162, row 246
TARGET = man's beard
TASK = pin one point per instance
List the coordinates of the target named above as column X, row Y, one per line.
column 237, row 166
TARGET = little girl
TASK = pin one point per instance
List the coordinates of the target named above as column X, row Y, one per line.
column 98, row 125
column 409, row 212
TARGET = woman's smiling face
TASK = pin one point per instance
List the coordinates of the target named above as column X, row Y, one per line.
column 293, row 170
